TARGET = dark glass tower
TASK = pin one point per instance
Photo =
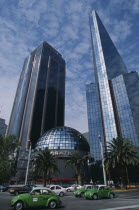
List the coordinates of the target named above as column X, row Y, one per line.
column 40, row 98
column 106, row 112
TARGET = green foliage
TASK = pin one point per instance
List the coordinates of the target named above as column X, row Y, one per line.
column 8, row 146
column 120, row 154
column 77, row 161
column 45, row 164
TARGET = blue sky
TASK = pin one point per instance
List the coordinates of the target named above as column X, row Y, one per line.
column 64, row 24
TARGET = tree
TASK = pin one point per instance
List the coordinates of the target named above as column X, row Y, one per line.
column 8, row 146
column 120, row 154
column 44, row 163
column 77, row 161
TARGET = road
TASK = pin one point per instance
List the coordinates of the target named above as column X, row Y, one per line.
column 123, row 200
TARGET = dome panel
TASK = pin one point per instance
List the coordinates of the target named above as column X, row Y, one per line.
column 63, row 138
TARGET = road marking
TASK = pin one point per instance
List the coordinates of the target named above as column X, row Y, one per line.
column 124, row 207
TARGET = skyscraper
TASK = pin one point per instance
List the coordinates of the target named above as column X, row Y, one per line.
column 40, row 97
column 112, row 102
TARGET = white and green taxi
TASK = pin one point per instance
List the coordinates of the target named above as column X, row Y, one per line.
column 38, row 197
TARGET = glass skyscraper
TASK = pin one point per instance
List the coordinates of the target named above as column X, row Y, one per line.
column 39, row 103
column 113, row 101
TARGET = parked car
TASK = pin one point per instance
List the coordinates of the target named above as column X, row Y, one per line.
column 58, row 190
column 101, row 192
column 73, row 187
column 81, row 192
column 3, row 188
column 20, row 190
column 38, row 197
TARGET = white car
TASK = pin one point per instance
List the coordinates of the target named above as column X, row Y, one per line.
column 100, row 185
column 73, row 187
column 58, row 190
column 88, row 186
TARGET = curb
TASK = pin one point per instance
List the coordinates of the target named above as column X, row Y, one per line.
column 126, row 190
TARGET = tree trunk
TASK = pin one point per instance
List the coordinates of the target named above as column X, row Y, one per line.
column 127, row 175
column 44, row 180
column 79, row 178
column 108, row 173
column 123, row 179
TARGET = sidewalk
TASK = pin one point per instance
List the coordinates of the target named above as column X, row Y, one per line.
column 124, row 190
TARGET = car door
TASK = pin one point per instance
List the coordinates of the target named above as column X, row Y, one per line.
column 35, row 199
column 54, row 189
column 101, row 192
column 106, row 192
column 46, row 194
column 58, row 190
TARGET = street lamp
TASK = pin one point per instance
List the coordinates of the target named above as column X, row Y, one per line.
column 104, row 172
column 29, row 154
column 90, row 163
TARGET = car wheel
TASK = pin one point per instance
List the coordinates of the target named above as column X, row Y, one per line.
column 52, row 204
column 82, row 195
column 111, row 196
column 61, row 194
column 16, row 193
column 19, row 205
column 95, row 197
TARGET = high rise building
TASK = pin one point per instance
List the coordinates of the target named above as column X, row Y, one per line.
column 3, row 127
column 40, row 97
column 113, row 101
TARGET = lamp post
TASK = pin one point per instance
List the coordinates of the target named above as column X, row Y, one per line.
column 90, row 163
column 28, row 162
column 104, row 172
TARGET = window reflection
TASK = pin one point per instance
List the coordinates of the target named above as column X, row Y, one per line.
column 63, row 138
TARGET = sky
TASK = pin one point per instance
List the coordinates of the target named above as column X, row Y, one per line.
column 64, row 24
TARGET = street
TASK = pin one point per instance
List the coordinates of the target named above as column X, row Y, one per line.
column 124, row 200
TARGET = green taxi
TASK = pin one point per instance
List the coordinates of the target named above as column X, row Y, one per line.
column 38, row 197
column 102, row 192
column 80, row 192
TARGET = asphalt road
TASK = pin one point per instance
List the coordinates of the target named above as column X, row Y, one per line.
column 123, row 200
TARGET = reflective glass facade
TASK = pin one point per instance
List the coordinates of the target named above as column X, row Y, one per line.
column 40, row 98
column 94, row 119
column 102, row 74
column 63, row 138
column 123, row 91
column 112, row 84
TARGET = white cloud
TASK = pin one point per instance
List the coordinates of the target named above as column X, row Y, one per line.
column 121, row 30
column 63, row 24
column 136, row 6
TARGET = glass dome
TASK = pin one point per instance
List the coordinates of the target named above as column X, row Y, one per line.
column 63, row 138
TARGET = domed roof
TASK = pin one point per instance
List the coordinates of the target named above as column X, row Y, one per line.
column 63, row 138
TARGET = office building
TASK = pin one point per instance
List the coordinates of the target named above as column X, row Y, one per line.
column 113, row 100
column 40, row 97
column 3, row 127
